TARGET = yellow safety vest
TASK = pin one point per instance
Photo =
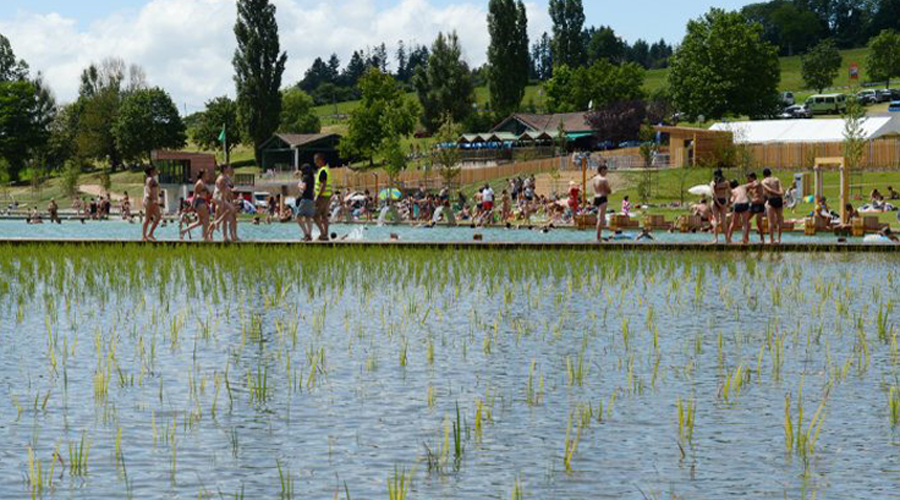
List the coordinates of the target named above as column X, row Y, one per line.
column 327, row 192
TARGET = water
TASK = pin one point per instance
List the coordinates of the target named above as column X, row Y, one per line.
column 170, row 327
column 116, row 230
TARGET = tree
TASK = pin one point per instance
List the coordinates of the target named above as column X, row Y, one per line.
column 384, row 114
column 820, row 66
column 622, row 121
column 11, row 69
column 19, row 129
column 884, row 57
column 148, row 120
column 724, row 68
column 355, row 69
column 258, row 65
column 568, row 37
column 219, row 114
column 297, row 114
column 603, row 43
column 599, row 85
column 445, row 155
column 507, row 55
column 542, row 59
column 444, row 86
column 103, row 87
column 639, row 53
column 317, row 75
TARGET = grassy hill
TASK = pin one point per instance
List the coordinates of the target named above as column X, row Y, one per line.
column 791, row 80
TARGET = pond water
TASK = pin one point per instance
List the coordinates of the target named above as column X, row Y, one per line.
column 115, row 230
column 198, row 372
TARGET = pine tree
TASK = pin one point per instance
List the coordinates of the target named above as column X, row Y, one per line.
column 444, row 85
column 259, row 65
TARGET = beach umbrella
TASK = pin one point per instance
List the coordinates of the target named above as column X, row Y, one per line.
column 392, row 193
column 702, row 190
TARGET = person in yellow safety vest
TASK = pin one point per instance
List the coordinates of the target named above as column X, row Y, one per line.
column 323, row 196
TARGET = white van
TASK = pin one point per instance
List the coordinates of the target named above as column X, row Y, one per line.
column 827, row 104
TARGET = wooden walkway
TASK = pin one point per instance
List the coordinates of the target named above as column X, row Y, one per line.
column 852, row 247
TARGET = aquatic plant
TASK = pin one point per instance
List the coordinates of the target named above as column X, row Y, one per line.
column 686, row 413
column 398, row 484
column 78, row 456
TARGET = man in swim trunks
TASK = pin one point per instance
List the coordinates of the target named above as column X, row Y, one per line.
column 774, row 193
column 151, row 204
column 740, row 199
column 602, row 192
column 757, row 203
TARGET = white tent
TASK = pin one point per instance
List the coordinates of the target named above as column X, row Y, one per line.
column 806, row 131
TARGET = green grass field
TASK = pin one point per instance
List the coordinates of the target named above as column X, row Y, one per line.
column 791, row 80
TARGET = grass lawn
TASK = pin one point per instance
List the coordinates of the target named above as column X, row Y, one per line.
column 667, row 188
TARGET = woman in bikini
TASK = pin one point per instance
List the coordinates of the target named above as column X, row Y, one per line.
column 721, row 190
column 740, row 198
column 151, row 204
column 200, row 206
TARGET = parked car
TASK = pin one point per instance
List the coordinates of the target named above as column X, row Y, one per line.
column 894, row 107
column 796, row 111
column 895, row 94
column 261, row 200
column 787, row 98
column 827, row 104
column 867, row 97
column 884, row 95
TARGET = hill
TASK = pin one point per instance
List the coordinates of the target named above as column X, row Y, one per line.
column 791, row 80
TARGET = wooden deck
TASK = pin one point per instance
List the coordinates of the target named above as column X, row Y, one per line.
column 852, row 247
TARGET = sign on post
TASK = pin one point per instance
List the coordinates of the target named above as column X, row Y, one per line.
column 854, row 71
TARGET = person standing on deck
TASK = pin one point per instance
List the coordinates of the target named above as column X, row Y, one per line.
column 53, row 208
column 740, row 198
column 757, row 203
column 226, row 211
column 323, row 196
column 774, row 193
column 306, row 203
column 200, row 206
column 721, row 191
column 602, row 192
column 153, row 216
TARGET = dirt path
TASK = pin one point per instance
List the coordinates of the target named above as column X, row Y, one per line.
column 95, row 190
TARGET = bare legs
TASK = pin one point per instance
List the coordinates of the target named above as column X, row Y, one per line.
column 601, row 221
column 776, row 224
column 202, row 221
column 151, row 221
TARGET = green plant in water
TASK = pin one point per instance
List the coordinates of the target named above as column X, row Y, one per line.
column 894, row 405
column 571, row 446
column 287, row 482
column 398, row 484
column 78, row 456
column 686, row 412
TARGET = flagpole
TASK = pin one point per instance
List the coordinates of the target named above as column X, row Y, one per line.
column 225, row 143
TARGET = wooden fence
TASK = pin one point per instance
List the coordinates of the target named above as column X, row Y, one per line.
column 877, row 154
column 376, row 179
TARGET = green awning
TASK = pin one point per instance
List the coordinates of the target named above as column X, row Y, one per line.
column 578, row 135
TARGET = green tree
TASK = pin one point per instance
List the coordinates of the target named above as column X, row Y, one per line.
column 148, row 120
column 297, row 113
column 444, row 85
column 596, row 86
column 884, row 57
column 445, row 155
column 20, row 132
column 259, row 67
column 384, row 114
column 723, row 67
column 820, row 66
column 103, row 87
column 220, row 113
column 603, row 43
column 568, row 32
column 508, row 57
column 11, row 69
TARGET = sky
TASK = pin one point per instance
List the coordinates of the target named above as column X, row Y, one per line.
column 185, row 46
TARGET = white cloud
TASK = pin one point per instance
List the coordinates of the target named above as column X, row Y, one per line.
column 186, row 46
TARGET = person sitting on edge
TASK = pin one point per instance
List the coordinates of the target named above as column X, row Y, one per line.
column 893, row 195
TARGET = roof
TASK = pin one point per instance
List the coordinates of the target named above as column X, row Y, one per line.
column 806, row 131
column 300, row 140
column 572, row 122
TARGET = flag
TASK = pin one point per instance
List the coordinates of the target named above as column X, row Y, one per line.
column 222, row 135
